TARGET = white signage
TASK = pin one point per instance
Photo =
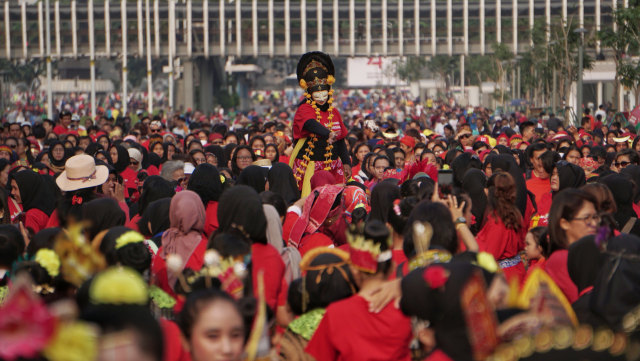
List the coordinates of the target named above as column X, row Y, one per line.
column 372, row 72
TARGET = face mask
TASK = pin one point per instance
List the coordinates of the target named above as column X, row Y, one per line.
column 320, row 96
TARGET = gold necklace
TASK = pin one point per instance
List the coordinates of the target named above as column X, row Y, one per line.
column 306, row 158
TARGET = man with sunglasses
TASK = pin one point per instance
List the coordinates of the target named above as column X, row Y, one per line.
column 624, row 158
column 155, row 127
column 464, row 137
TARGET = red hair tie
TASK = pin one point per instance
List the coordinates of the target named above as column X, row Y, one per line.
column 76, row 200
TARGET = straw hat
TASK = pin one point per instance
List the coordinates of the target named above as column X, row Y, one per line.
column 81, row 171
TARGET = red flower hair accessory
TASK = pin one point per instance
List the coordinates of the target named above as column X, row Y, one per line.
column 436, row 276
column 76, row 200
column 26, row 325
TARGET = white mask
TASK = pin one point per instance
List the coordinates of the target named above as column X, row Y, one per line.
column 320, row 96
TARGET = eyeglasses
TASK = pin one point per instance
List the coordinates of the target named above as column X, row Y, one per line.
column 621, row 164
column 12, row 146
column 245, row 157
column 156, row 130
column 591, row 217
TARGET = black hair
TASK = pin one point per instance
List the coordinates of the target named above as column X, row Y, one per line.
column 276, row 200
column 541, row 236
column 634, row 158
column 229, row 245
column 566, row 204
column 444, row 231
column 134, row 255
column 117, row 318
column 9, row 250
column 378, row 232
column 549, row 160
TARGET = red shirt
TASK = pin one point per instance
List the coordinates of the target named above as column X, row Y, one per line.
column 173, row 348
column 306, row 112
column 266, row 258
column 133, row 223
column 36, row 220
column 538, row 186
column 556, row 267
column 129, row 178
column 502, row 243
column 348, row 331
column 59, row 129
column 211, row 218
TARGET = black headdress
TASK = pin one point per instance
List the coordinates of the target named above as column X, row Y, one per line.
column 315, row 71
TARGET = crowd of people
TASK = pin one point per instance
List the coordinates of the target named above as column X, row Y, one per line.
column 424, row 231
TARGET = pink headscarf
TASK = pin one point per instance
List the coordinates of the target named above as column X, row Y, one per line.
column 317, row 208
column 186, row 216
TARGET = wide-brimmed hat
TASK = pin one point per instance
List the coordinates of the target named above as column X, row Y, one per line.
column 81, row 171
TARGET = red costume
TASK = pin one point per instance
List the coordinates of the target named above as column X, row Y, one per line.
column 318, row 130
column 556, row 267
column 348, row 331
column 504, row 244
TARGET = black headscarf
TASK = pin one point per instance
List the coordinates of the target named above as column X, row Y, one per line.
column 156, row 214
column 281, row 181
column 584, row 262
column 123, row 159
column 474, row 184
column 92, row 149
column 622, row 189
column 217, row 151
column 240, row 210
column 61, row 162
column 154, row 159
column 502, row 149
column 154, row 188
column 165, row 155
column 633, row 172
column 253, row 176
column 441, row 306
column 102, row 213
column 617, row 287
column 205, row 180
column 461, row 164
column 35, row 191
column 382, row 197
column 508, row 164
column 571, row 176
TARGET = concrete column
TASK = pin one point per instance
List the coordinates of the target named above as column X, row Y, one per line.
column 206, row 71
column 599, row 94
column 185, row 87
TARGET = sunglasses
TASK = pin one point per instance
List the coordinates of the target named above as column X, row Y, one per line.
column 621, row 164
column 12, row 146
column 156, row 130
column 133, row 162
column 464, row 136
